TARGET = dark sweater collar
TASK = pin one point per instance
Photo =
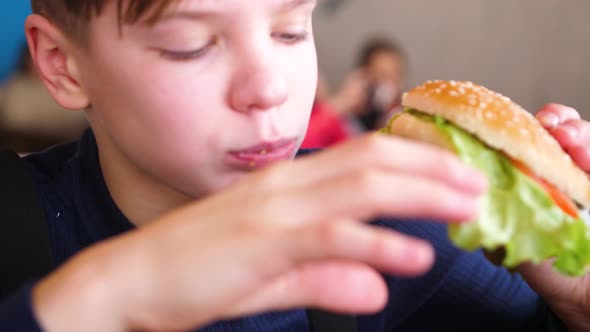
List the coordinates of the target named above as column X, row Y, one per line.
column 97, row 208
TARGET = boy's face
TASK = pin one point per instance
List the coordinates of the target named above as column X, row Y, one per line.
column 213, row 90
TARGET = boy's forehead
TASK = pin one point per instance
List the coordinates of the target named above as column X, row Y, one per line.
column 196, row 8
column 286, row 4
column 153, row 12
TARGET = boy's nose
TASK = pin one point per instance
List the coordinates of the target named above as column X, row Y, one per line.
column 258, row 90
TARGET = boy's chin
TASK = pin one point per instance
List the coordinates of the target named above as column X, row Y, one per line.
column 223, row 181
column 229, row 180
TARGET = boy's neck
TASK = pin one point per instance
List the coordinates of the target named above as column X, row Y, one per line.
column 138, row 196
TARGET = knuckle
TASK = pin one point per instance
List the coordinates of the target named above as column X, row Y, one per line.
column 440, row 197
column 368, row 188
column 365, row 182
column 377, row 247
column 376, row 149
column 437, row 194
column 373, row 144
column 326, row 234
column 448, row 165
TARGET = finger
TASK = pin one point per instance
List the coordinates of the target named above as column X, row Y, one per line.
column 552, row 115
column 565, row 135
column 582, row 132
column 572, row 133
column 547, row 119
column 538, row 275
column 338, row 286
column 332, row 266
column 394, row 155
column 370, row 194
column 383, row 249
column 581, row 156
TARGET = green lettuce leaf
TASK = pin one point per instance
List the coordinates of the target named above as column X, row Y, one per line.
column 516, row 214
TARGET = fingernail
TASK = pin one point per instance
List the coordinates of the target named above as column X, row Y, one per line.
column 548, row 119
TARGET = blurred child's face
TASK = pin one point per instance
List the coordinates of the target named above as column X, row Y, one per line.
column 386, row 67
column 213, row 90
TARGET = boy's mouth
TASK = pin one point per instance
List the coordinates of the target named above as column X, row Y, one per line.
column 262, row 154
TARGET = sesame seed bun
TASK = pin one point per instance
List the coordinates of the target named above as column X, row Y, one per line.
column 499, row 123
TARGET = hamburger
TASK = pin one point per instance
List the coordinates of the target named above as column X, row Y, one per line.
column 537, row 195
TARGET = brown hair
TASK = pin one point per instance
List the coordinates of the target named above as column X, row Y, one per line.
column 378, row 45
column 73, row 16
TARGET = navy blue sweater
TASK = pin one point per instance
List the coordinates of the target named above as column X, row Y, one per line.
column 463, row 292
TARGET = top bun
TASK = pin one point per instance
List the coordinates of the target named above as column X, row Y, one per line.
column 503, row 125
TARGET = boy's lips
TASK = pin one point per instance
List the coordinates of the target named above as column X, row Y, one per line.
column 262, row 154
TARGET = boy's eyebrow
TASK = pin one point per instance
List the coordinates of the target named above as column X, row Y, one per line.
column 210, row 9
column 185, row 14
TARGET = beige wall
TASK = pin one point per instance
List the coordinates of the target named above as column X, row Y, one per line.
column 534, row 51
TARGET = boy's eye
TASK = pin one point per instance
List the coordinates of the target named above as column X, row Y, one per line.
column 291, row 38
column 187, row 55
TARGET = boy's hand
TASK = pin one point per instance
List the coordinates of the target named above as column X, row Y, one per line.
column 293, row 235
column 573, row 133
column 568, row 297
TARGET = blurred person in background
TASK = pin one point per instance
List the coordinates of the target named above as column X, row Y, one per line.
column 372, row 93
column 326, row 127
column 30, row 120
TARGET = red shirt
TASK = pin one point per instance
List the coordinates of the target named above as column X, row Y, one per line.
column 325, row 127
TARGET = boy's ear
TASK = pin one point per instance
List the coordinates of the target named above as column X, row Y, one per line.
column 56, row 66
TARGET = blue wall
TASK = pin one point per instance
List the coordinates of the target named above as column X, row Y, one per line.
column 12, row 36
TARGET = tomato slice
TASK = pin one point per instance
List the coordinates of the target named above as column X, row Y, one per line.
column 562, row 200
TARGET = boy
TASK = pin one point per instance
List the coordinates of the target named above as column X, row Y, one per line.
column 158, row 221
